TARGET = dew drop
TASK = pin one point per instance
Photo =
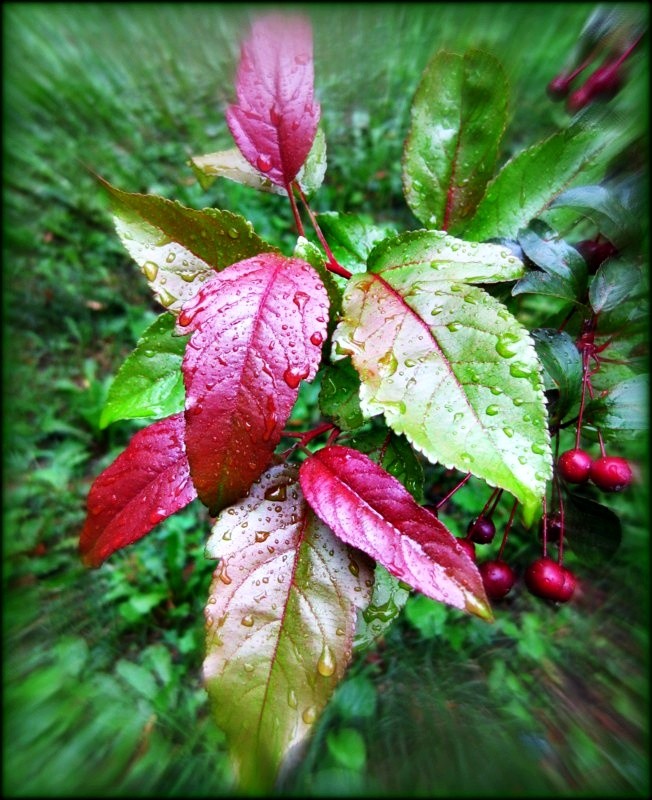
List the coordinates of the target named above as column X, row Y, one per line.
column 261, row 536
column 248, row 667
column 170, row 257
column 300, row 299
column 293, row 376
column 276, row 493
column 326, row 663
column 508, row 432
column 505, row 345
column 519, row 370
column 156, row 516
column 150, row 270
column 539, row 449
column 354, row 569
column 518, row 401
column 388, row 363
column 264, row 162
column 274, row 115
column 188, row 277
column 233, row 233
column 149, row 353
column 454, row 326
column 339, row 632
column 224, row 577
column 492, row 410
column 316, row 339
column 227, row 536
column 410, row 362
column 522, row 460
column 292, row 699
column 247, row 621
column 309, row 715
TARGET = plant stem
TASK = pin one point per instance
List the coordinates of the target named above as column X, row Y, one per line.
column 452, row 491
column 295, row 210
column 507, row 530
column 333, row 266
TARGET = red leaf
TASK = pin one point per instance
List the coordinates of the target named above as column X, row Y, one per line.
column 275, row 119
column 257, row 329
column 146, row 483
column 369, row 509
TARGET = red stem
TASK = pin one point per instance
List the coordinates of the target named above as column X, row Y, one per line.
column 452, row 491
column 295, row 210
column 560, row 546
column 545, row 527
column 333, row 266
column 507, row 530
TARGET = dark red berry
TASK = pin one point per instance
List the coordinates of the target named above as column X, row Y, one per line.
column 594, row 253
column 498, row 578
column 611, row 473
column 467, row 544
column 558, row 87
column 574, row 466
column 547, row 579
column 553, row 527
column 568, row 587
column 481, row 530
column 581, row 97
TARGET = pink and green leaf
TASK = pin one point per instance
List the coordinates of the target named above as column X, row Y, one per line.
column 280, row 623
column 257, row 332
column 147, row 483
column 233, row 166
column 179, row 248
column 435, row 254
column 149, row 383
column 369, row 509
column 458, row 117
column 275, row 119
column 453, row 370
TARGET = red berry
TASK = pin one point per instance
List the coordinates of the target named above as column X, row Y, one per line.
column 558, row 87
column 574, row 466
column 594, row 253
column 467, row 544
column 498, row 578
column 553, row 527
column 547, row 579
column 568, row 587
column 481, row 530
column 580, row 98
column 611, row 473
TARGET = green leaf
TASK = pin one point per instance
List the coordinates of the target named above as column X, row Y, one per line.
column 623, row 412
column 338, row 397
column 388, row 598
column 347, row 748
column 603, row 208
column 562, row 270
column 139, row 678
column 351, row 238
column 233, row 166
column 458, row 117
column 453, row 370
column 437, row 255
column 149, row 383
column 280, row 623
column 528, row 184
column 355, row 698
column 615, row 282
column 562, row 368
column 593, row 530
column 178, row 248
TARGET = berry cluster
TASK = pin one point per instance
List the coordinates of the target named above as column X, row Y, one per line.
column 609, row 473
column 605, row 81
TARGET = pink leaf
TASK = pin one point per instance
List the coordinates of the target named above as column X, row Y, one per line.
column 146, row 483
column 257, row 330
column 275, row 119
column 369, row 509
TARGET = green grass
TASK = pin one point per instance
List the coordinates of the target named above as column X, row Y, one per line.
column 102, row 669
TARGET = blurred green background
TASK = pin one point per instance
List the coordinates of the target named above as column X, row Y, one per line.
column 102, row 669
